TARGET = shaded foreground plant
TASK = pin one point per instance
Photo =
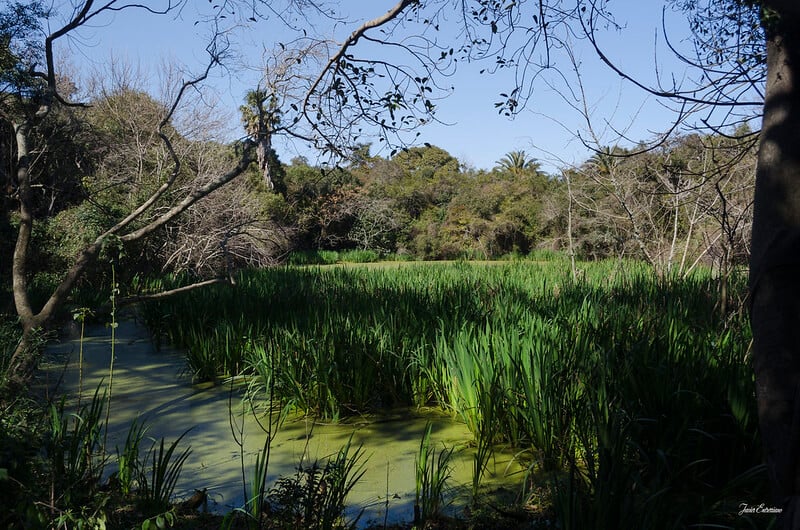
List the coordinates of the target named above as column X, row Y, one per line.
column 315, row 497
column 159, row 474
column 664, row 438
column 68, row 453
column 256, row 498
column 64, row 466
column 72, row 449
column 129, row 461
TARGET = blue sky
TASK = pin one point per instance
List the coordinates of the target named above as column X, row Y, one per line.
column 547, row 129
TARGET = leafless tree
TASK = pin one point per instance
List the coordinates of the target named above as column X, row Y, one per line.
column 375, row 222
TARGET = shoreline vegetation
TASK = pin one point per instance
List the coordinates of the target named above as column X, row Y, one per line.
column 627, row 396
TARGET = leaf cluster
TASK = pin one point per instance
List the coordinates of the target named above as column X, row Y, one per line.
column 21, row 50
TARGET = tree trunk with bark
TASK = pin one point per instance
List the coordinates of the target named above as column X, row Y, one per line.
column 775, row 265
column 24, row 359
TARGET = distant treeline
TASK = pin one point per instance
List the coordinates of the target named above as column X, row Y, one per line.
column 685, row 203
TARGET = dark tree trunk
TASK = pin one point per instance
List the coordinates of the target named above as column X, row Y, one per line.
column 775, row 268
column 23, row 363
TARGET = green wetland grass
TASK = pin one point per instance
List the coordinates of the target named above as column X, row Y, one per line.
column 629, row 396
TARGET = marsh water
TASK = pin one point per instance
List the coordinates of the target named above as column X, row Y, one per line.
column 153, row 385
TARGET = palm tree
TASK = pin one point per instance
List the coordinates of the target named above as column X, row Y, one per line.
column 517, row 162
column 260, row 116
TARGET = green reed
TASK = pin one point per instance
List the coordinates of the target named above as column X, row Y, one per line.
column 159, row 473
column 618, row 374
column 73, row 450
column 432, row 474
column 129, row 460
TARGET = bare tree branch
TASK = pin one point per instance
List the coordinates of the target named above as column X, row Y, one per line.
column 129, row 300
column 351, row 41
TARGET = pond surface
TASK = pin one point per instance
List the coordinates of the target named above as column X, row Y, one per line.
column 153, row 385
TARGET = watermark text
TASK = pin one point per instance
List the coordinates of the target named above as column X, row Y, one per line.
column 762, row 509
